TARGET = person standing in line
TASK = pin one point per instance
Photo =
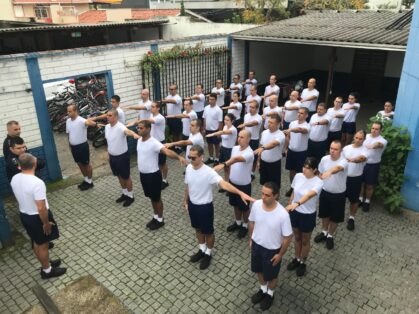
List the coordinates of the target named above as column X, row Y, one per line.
column 144, row 105
column 240, row 164
column 174, row 107
column 375, row 145
column 333, row 171
column 252, row 96
column 76, row 128
column 13, row 130
column 271, row 90
column 302, row 208
column 148, row 150
column 236, row 86
column 356, row 156
column 271, row 110
column 235, row 108
column 349, row 121
column 187, row 116
column 220, row 92
column 249, row 83
column 387, row 113
column 198, row 201
column 319, row 129
column 36, row 218
column 270, row 152
column 291, row 108
column 213, row 122
column 115, row 100
column 228, row 140
column 336, row 114
column 198, row 102
column 309, row 97
column 296, row 144
column 119, row 158
column 271, row 234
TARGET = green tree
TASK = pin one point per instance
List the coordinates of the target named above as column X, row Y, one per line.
column 334, row 4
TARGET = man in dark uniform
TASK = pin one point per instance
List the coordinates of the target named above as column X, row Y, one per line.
column 13, row 130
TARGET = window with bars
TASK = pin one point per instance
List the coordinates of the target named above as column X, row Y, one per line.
column 41, row 12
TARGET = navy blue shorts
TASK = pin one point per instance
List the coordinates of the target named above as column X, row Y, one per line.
column 254, row 144
column 316, row 149
column 81, row 153
column 151, row 183
column 120, row 165
column 353, row 188
column 370, row 175
column 33, row 227
column 202, row 217
column 225, row 154
column 332, row 205
column 270, row 172
column 236, row 200
column 295, row 160
column 261, row 262
column 199, row 115
column 214, row 139
column 332, row 136
column 303, row 222
column 349, row 127
column 286, row 125
column 162, row 157
column 175, row 126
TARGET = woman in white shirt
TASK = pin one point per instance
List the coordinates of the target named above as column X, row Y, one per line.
column 302, row 208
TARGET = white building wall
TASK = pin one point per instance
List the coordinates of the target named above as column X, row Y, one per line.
column 237, row 59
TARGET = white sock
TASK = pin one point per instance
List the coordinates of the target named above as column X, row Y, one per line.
column 165, row 180
column 159, row 219
column 88, row 180
column 239, row 222
column 329, row 235
column 155, row 216
column 47, row 270
column 264, row 288
column 361, row 199
column 352, row 217
column 211, row 158
column 244, row 225
column 216, row 159
column 124, row 191
column 325, row 232
column 130, row 194
column 208, row 251
column 367, row 200
column 271, row 292
column 298, row 259
column 253, row 173
column 203, row 247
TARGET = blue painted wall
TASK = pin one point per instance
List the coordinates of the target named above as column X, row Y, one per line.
column 407, row 113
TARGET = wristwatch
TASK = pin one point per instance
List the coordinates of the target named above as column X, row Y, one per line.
column 299, row 204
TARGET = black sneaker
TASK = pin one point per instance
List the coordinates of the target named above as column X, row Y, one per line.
column 301, row 270
column 233, row 227
column 266, row 302
column 81, row 184
column 288, row 194
column 121, row 198
column 350, row 224
column 242, row 232
column 221, row 191
column 252, row 176
column 216, row 162
column 320, row 237
column 86, row 186
column 156, row 225
column 258, row 296
column 128, row 201
column 209, row 161
column 197, row 257
column 164, row 185
column 329, row 243
column 55, row 263
column 150, row 222
column 178, row 150
column 293, row 264
column 205, row 262
column 51, row 245
column 55, row 272
column 366, row 207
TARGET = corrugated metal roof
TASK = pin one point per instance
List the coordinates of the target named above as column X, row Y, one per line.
column 386, row 30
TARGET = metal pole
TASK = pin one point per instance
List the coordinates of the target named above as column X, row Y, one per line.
column 332, row 60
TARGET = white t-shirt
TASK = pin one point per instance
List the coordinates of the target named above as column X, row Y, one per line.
column 386, row 116
column 145, row 114
column 28, row 189
column 220, row 95
column 121, row 115
column 336, row 183
column 116, row 138
column 200, row 183
column 350, row 114
column 291, row 115
column 239, row 90
column 186, row 122
column 196, row 139
column 270, row 226
column 240, row 172
column 274, row 154
column 158, row 127
column 229, row 140
column 213, row 116
column 335, row 123
column 77, row 130
column 249, row 98
column 267, row 110
column 198, row 105
column 148, row 155
column 374, row 155
column 254, row 130
column 355, row 169
column 319, row 133
column 299, row 141
column 174, row 108
column 248, row 86
column 269, row 89
column 302, row 186
column 311, row 104
column 236, row 112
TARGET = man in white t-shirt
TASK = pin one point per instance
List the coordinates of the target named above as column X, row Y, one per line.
column 36, row 218
column 271, row 234
column 387, row 113
column 198, row 102
column 319, row 129
column 271, row 90
column 213, row 122
column 119, row 158
column 253, row 96
column 333, row 171
column 309, row 97
column 187, row 116
column 115, row 100
column 148, row 150
column 220, row 92
column 336, row 114
column 198, row 201
column 76, row 128
column 269, row 154
column 240, row 163
column 174, row 107
column 375, row 145
column 270, row 110
column 349, row 121
column 236, row 86
column 291, row 109
column 235, row 108
column 249, row 83
column 144, row 105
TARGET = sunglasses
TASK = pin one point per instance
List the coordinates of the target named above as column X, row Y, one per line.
column 193, row 158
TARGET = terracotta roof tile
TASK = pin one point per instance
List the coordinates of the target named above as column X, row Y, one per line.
column 93, row 16
column 145, row 14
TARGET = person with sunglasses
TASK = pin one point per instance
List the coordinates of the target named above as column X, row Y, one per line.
column 198, row 201
column 174, row 107
column 302, row 208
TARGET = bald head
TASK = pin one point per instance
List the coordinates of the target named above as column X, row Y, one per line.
column 273, row 101
column 244, row 138
column 294, row 95
column 145, row 94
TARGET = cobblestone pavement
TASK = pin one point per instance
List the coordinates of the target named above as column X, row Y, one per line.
column 372, row 270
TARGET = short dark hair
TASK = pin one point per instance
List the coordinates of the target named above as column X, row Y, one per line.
column 11, row 122
column 236, row 75
column 378, row 123
column 198, row 149
column 363, row 132
column 116, row 97
column 145, row 123
column 336, row 142
column 322, row 104
column 355, row 95
column 213, row 95
column 231, row 116
column 254, row 102
column 114, row 112
column 305, row 109
column 200, row 85
column 74, row 106
column 311, row 163
column 275, row 116
column 236, row 93
column 16, row 141
column 272, row 186
column 156, row 103
column 187, row 101
column 26, row 161
column 198, row 122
